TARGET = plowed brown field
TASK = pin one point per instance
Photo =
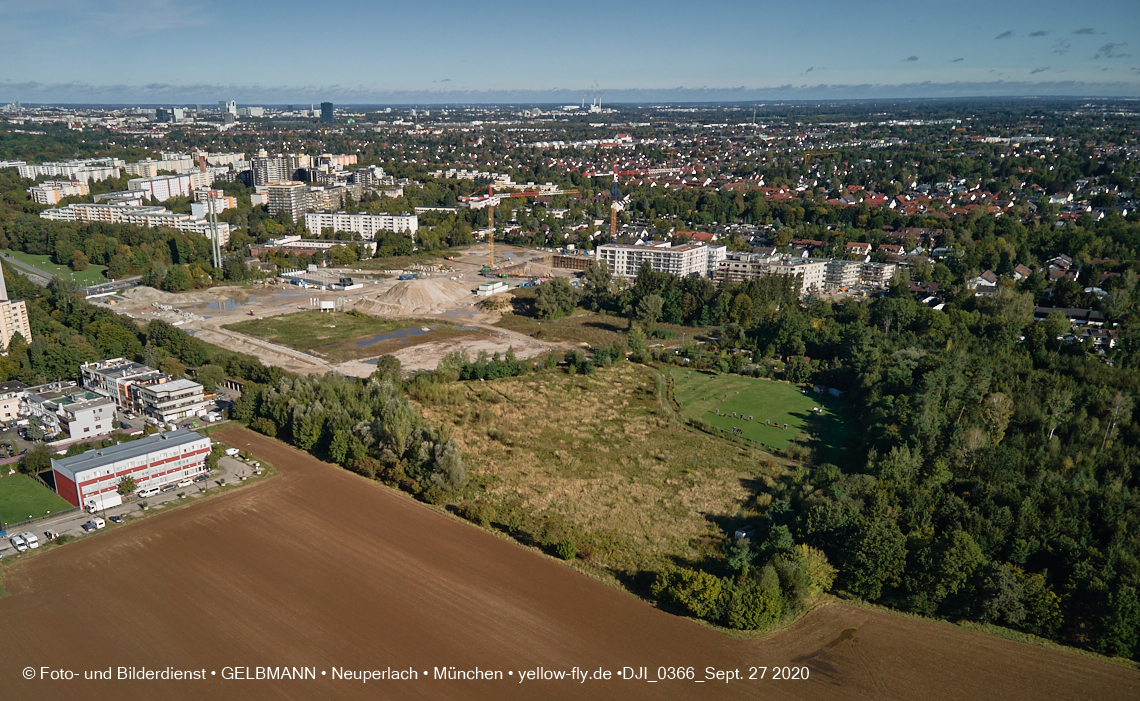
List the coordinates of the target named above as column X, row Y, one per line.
column 319, row 568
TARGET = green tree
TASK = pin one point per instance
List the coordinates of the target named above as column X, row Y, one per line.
column 173, row 367
column 599, row 279
column 127, row 486
column 389, row 368
column 649, row 311
column 36, row 460
column 554, row 298
column 79, row 261
column 210, row 376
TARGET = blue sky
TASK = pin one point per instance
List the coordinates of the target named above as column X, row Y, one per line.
column 356, row 51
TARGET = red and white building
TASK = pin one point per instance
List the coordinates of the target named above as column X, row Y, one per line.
column 93, row 478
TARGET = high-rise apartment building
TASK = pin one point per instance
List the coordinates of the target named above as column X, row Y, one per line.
column 327, row 113
column 286, row 196
column 13, row 318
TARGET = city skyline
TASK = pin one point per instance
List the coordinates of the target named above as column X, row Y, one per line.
column 367, row 53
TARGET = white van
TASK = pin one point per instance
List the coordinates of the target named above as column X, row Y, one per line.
column 148, row 492
column 31, row 539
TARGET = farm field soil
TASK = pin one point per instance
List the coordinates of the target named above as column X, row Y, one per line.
column 319, row 568
column 700, row 394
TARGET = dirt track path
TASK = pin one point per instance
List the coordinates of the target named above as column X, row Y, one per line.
column 320, row 568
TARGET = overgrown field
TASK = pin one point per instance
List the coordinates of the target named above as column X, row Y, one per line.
column 341, row 336
column 702, row 394
column 598, row 465
column 581, row 327
column 21, row 497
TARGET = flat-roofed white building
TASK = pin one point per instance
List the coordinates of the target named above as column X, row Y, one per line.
column 93, row 478
column 52, row 191
column 61, row 406
column 151, row 216
column 739, row 267
column 170, row 401
column 80, row 169
column 843, row 274
column 367, row 225
column 163, row 187
column 686, row 260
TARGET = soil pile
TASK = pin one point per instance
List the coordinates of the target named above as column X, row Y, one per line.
column 149, row 295
column 419, row 297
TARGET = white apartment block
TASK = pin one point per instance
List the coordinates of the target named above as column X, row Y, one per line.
column 169, row 401
column 163, row 187
column 686, row 260
column 11, row 394
column 877, row 274
column 843, row 274
column 13, row 320
column 63, row 406
column 150, row 168
column 364, row 224
column 52, row 191
column 86, row 170
column 739, row 267
column 138, row 216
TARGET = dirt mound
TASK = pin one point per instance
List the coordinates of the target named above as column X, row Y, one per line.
column 420, row 297
column 529, row 269
column 149, row 295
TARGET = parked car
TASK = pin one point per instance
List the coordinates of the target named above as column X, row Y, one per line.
column 116, row 519
column 19, row 543
column 89, row 526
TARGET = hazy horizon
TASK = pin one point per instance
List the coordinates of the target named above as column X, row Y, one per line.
column 159, row 51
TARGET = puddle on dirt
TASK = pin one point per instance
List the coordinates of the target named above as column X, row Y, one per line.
column 223, row 305
column 398, row 334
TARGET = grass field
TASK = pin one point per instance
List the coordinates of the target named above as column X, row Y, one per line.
column 21, row 497
column 600, row 460
column 701, row 394
column 339, row 336
column 93, row 275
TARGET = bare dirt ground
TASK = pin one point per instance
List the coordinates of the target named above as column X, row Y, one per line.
column 445, row 295
column 318, row 567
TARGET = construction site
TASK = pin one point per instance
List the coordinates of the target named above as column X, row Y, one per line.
column 445, row 292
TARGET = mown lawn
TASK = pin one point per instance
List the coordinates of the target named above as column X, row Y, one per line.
column 22, row 497
column 93, row 275
column 771, row 404
column 602, row 461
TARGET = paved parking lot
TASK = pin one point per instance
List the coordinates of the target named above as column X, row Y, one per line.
column 230, row 471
